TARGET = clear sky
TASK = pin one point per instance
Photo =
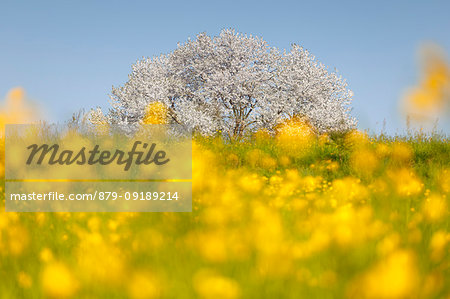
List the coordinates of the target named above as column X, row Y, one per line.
column 68, row 54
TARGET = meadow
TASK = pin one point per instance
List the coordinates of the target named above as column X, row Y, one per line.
column 295, row 215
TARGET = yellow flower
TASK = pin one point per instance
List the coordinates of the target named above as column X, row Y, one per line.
column 432, row 284
column 310, row 183
column 104, row 265
column 156, row 113
column 258, row 158
column 388, row 244
column 17, row 110
column 427, row 100
column 356, row 139
column 18, row 239
column 405, row 181
column 46, row 255
column 401, row 152
column 382, row 150
column 207, row 284
column 438, row 242
column 262, row 135
column 213, row 246
column 267, row 228
column 435, row 208
column 295, row 136
column 24, row 280
column 364, row 161
column 144, row 285
column 251, row 183
column 351, row 227
column 268, row 163
column 444, row 180
column 347, row 189
column 284, row 161
column 396, row 276
column 58, row 281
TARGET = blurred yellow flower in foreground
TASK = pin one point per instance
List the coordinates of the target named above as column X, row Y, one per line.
column 144, row 285
column 18, row 240
column 58, row 281
column 106, row 264
column 438, row 244
column 24, row 280
column 46, row 255
column 444, row 180
column 406, row 181
column 16, row 109
column 396, row 276
column 435, row 208
column 210, row 285
column 428, row 99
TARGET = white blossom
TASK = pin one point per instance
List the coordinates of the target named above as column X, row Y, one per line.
column 234, row 84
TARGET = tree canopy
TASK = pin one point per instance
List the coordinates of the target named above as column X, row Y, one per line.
column 234, row 84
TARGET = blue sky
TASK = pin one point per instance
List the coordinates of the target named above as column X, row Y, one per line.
column 67, row 55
